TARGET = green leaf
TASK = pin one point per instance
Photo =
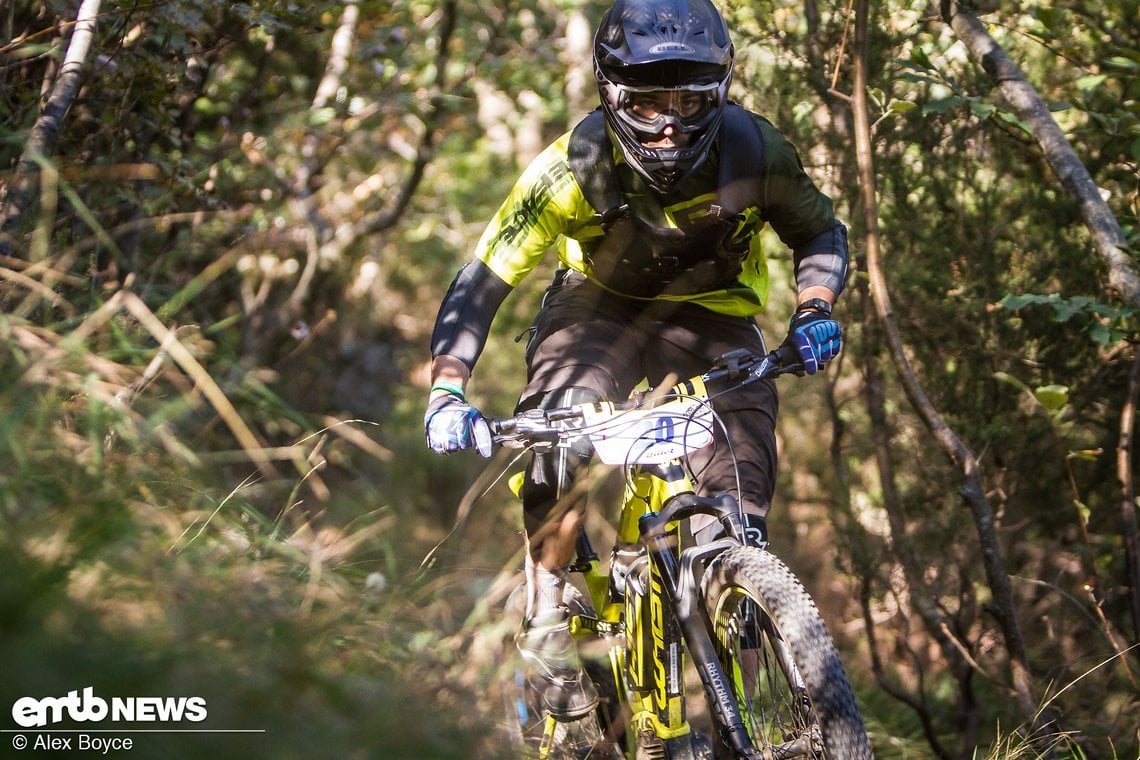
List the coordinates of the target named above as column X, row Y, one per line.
column 1121, row 62
column 1052, row 20
column 1052, row 397
column 1018, row 302
column 942, row 105
column 1105, row 334
column 919, row 78
column 322, row 116
column 1064, row 310
column 1087, row 84
column 898, row 106
column 1083, row 510
column 803, row 111
column 1012, row 120
column 919, row 56
column 911, row 65
column 1086, row 455
column 983, row 110
column 1102, row 335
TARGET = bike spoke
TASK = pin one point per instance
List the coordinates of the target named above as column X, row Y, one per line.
column 775, row 651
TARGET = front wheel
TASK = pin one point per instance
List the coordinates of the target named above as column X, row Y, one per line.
column 789, row 683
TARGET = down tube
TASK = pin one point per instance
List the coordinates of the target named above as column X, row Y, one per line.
column 700, row 644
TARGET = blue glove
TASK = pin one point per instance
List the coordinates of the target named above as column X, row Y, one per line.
column 816, row 337
column 451, row 424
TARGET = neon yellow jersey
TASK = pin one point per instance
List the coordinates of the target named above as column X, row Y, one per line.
column 547, row 208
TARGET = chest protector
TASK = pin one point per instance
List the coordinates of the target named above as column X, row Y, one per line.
column 638, row 259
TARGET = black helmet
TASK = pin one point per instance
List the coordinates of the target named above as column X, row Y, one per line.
column 680, row 46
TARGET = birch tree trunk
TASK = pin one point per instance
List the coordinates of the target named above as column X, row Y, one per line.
column 1123, row 275
column 16, row 199
column 303, row 202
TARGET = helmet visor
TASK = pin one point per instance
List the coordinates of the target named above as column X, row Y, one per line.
column 649, row 110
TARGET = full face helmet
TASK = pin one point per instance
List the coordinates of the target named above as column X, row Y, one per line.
column 663, row 63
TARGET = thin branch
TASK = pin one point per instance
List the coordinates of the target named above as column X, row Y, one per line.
column 917, row 703
column 426, row 150
column 1125, row 454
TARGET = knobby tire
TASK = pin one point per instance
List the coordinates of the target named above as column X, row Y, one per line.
column 758, row 608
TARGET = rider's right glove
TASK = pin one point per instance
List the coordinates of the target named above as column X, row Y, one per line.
column 816, row 337
column 451, row 424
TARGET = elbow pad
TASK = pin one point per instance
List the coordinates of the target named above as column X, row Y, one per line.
column 823, row 260
column 465, row 316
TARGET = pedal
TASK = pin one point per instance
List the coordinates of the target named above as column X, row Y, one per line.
column 588, row 624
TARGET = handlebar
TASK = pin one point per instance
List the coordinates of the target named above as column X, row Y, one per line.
column 539, row 426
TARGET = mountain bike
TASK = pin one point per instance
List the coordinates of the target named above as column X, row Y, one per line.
column 772, row 678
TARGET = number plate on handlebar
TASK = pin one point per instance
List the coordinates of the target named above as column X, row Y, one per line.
column 651, row 435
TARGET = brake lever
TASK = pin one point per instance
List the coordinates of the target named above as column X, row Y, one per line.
column 736, row 362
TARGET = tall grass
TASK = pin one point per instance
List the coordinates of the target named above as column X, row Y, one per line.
column 152, row 545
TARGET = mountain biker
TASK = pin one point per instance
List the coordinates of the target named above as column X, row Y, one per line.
column 654, row 202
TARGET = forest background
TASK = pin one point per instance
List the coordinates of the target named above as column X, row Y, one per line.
column 225, row 231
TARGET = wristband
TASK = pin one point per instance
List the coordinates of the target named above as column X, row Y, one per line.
column 818, row 304
column 453, row 388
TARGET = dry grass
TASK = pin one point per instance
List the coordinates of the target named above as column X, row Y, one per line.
column 132, row 562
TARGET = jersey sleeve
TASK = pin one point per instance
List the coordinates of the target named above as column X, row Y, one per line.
column 802, row 215
column 533, row 216
column 543, row 205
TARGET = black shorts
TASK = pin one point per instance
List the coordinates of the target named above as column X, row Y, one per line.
column 586, row 337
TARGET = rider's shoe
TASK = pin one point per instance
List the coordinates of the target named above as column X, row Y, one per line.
column 553, row 668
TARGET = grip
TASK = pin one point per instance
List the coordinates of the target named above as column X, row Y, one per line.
column 502, row 425
column 787, row 357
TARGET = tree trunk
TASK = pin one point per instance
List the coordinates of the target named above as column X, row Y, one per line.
column 1123, row 275
column 311, row 163
column 42, row 138
column 581, row 91
column 1125, row 452
column 972, row 490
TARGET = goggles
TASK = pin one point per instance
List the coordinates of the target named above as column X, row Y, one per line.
column 650, row 110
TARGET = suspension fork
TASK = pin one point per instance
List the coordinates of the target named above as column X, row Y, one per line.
column 677, row 585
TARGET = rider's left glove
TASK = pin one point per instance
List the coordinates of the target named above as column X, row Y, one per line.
column 816, row 337
column 451, row 424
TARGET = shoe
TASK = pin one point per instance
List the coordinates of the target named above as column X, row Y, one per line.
column 553, row 669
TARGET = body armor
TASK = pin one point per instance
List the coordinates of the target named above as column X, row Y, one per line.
column 638, row 259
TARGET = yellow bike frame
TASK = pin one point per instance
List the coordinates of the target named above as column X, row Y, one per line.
column 647, row 657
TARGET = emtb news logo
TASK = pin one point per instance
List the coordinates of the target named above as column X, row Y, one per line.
column 30, row 712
